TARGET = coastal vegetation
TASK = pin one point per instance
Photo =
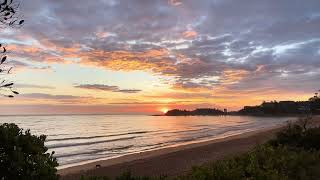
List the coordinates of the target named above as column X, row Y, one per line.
column 23, row 156
column 196, row 112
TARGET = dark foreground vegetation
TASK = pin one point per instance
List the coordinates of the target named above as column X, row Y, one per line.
column 293, row 154
column 23, row 156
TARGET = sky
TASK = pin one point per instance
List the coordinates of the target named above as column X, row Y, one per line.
column 148, row 56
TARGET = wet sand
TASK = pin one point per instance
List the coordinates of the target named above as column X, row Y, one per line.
column 174, row 160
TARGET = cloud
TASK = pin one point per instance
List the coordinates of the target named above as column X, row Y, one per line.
column 155, row 60
column 51, row 53
column 189, row 34
column 182, row 95
column 199, row 45
column 98, row 87
column 19, row 65
column 33, row 86
column 129, row 90
column 175, row 2
column 108, row 88
column 45, row 98
column 48, row 96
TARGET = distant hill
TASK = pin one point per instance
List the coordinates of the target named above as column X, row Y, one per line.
column 197, row 112
column 273, row 108
column 284, row 108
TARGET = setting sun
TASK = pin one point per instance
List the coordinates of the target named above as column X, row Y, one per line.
column 164, row 110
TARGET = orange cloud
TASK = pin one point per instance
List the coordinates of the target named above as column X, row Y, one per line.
column 48, row 54
column 233, row 76
column 155, row 60
column 190, row 87
column 189, row 34
column 175, row 2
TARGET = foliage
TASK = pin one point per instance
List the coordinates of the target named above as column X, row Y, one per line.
column 9, row 17
column 315, row 103
column 23, row 155
column 196, row 112
column 264, row 162
column 125, row 176
column 299, row 136
column 94, row 178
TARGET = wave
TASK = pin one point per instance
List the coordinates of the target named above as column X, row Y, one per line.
column 94, row 151
column 89, row 143
column 149, row 145
column 93, row 137
column 54, row 135
column 182, row 131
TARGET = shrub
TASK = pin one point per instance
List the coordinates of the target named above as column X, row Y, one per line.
column 23, row 155
column 299, row 136
column 265, row 162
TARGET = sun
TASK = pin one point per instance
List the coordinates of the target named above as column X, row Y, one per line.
column 164, row 110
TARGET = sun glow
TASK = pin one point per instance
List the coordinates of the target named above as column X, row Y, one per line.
column 164, row 110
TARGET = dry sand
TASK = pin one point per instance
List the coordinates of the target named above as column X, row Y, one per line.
column 174, row 160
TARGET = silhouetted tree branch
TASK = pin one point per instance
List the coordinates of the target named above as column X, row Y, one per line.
column 9, row 17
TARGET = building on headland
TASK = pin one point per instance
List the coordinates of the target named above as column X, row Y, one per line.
column 283, row 107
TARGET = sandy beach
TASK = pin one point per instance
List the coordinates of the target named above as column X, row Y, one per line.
column 171, row 161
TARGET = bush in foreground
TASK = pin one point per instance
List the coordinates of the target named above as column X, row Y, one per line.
column 264, row 162
column 298, row 136
column 23, row 155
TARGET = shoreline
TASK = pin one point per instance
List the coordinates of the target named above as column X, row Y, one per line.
column 182, row 156
column 174, row 147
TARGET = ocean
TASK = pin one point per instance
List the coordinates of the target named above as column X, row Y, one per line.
column 77, row 139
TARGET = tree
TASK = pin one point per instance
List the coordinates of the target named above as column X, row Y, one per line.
column 315, row 104
column 23, row 155
column 9, row 17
